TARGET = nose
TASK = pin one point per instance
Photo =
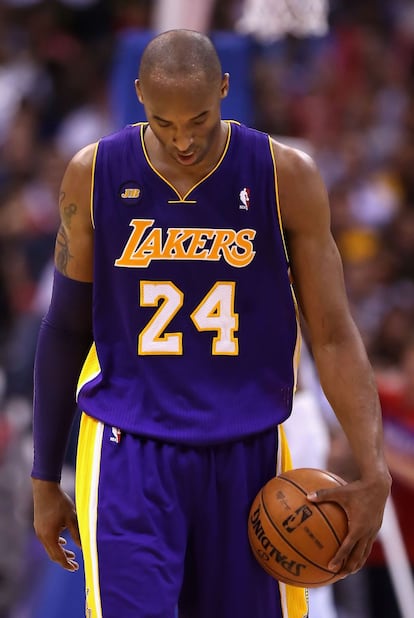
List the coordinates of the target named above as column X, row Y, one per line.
column 183, row 140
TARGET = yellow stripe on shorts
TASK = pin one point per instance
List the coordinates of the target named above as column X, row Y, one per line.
column 294, row 600
column 91, row 368
column 87, row 479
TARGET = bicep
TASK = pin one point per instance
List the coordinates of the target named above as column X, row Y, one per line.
column 315, row 262
column 319, row 285
column 74, row 240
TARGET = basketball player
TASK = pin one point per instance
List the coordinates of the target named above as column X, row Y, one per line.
column 179, row 242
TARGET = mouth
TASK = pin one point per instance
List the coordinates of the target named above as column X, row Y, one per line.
column 186, row 158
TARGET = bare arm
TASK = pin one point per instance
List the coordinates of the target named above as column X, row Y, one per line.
column 54, row 511
column 74, row 242
column 344, row 370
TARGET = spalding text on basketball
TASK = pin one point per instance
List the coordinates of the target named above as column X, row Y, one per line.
column 291, row 566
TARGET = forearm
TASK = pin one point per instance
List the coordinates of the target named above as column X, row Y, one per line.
column 348, row 382
column 64, row 339
column 58, row 362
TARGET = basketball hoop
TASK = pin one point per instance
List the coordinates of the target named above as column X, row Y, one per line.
column 270, row 20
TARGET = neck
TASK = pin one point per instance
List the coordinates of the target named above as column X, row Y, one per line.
column 164, row 162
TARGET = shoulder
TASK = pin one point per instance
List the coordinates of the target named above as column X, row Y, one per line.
column 293, row 164
column 302, row 193
column 82, row 161
column 77, row 180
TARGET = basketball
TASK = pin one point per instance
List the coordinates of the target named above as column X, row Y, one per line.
column 292, row 538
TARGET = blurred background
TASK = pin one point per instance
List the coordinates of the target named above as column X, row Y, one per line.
column 335, row 78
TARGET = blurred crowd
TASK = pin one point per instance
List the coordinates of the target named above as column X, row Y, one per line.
column 347, row 97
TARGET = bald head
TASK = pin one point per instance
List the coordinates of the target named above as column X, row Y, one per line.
column 179, row 54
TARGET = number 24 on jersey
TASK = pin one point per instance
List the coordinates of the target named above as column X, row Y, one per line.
column 214, row 313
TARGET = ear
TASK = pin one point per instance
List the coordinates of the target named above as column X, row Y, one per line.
column 225, row 85
column 138, row 90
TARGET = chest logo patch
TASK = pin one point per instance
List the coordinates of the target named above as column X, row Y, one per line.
column 129, row 191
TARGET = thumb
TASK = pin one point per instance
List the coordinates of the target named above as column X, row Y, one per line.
column 323, row 495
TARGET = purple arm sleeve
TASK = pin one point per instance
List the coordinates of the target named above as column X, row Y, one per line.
column 64, row 340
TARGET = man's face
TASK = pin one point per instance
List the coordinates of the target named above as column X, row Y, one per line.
column 184, row 115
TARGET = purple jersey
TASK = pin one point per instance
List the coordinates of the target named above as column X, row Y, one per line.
column 195, row 324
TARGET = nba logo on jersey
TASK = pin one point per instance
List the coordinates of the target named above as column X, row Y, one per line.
column 116, row 435
column 244, row 196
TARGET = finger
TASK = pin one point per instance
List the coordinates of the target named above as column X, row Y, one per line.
column 340, row 561
column 68, row 552
column 67, row 560
column 325, row 495
column 354, row 559
column 74, row 531
column 359, row 555
column 57, row 553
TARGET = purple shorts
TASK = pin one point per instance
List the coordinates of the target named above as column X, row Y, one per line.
column 165, row 526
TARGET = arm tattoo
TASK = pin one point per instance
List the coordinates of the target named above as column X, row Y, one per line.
column 68, row 211
column 62, row 253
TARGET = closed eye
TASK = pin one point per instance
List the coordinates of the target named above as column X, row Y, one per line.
column 200, row 119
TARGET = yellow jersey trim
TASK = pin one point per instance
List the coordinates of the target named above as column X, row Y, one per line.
column 296, row 354
column 294, row 600
column 183, row 198
column 93, row 185
column 87, row 482
column 91, row 368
